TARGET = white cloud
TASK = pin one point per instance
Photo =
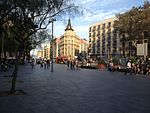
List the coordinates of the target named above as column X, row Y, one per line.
column 83, row 2
column 107, row 2
column 82, row 31
column 100, row 15
column 81, row 24
column 93, row 11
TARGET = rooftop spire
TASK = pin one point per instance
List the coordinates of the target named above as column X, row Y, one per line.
column 69, row 26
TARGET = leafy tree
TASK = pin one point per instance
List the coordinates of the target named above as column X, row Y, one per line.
column 135, row 23
column 26, row 18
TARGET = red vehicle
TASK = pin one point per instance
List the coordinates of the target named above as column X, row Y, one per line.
column 61, row 59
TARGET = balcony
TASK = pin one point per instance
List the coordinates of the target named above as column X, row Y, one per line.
column 89, row 34
column 98, row 51
column 103, row 40
column 108, row 38
column 93, row 41
column 125, row 39
column 114, row 44
column 98, row 29
column 109, row 31
column 98, row 34
column 90, row 29
column 94, row 28
column 103, row 47
column 103, row 34
column 98, row 45
column 114, row 38
column 93, row 34
column 90, row 45
column 109, row 25
column 103, row 27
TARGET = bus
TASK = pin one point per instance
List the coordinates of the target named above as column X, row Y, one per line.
column 61, row 59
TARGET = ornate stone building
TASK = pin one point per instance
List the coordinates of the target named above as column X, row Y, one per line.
column 70, row 44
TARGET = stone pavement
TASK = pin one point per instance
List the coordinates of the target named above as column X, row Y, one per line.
column 75, row 91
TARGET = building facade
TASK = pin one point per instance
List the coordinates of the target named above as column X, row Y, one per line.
column 104, row 42
column 56, row 48
column 40, row 54
column 70, row 44
column 44, row 53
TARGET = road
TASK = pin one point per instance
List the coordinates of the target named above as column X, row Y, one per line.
column 75, row 91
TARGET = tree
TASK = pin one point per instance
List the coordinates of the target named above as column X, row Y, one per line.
column 135, row 23
column 27, row 17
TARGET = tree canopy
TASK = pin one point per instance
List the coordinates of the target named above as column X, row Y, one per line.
column 135, row 22
column 22, row 19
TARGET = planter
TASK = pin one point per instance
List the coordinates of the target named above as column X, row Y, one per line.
column 101, row 66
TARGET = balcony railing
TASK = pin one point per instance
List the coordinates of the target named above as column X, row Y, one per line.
column 103, row 27
column 125, row 39
column 98, row 34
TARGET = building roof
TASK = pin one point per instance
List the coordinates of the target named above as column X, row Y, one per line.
column 69, row 26
column 112, row 19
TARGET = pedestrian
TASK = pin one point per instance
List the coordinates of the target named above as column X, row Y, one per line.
column 41, row 62
column 68, row 64
column 76, row 64
column 129, row 67
column 32, row 63
column 71, row 64
column 48, row 63
column 110, row 66
column 45, row 64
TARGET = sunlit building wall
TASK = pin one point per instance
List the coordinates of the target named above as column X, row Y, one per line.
column 56, row 50
column 103, row 41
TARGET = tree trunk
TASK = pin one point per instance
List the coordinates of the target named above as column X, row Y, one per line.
column 15, row 72
column 5, row 56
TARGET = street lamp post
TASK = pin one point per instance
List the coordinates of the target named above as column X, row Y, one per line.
column 51, row 48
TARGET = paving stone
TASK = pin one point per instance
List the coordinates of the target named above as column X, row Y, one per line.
column 75, row 91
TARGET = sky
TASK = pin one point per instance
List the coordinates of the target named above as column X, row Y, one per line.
column 94, row 11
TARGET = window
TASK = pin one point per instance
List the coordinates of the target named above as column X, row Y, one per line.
column 94, row 28
column 89, row 34
column 103, row 26
column 98, row 27
column 93, row 34
column 90, row 29
column 109, row 25
column 98, row 34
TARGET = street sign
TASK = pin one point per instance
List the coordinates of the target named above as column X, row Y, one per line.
column 142, row 49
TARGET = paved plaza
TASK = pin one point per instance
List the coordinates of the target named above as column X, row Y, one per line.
column 75, row 91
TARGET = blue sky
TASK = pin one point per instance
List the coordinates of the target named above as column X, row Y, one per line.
column 94, row 11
